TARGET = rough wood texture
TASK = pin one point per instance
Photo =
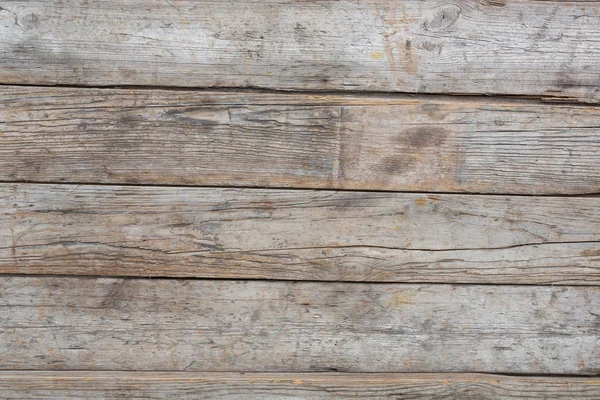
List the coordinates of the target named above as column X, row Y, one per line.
column 298, row 234
column 280, row 386
column 195, row 325
column 464, row 46
column 311, row 141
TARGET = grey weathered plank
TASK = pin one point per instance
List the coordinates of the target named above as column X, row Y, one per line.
column 279, row 386
column 298, row 234
column 310, row 141
column 173, row 325
column 499, row 46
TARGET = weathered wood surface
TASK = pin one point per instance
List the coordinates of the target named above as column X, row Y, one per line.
column 280, row 386
column 195, row 325
column 464, row 46
column 310, row 141
column 298, row 234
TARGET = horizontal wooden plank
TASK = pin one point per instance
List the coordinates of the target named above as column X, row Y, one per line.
column 306, row 141
column 313, row 386
column 275, row 326
column 298, row 234
column 467, row 46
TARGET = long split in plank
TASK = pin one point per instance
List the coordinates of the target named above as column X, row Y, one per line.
column 297, row 140
column 464, row 46
column 196, row 325
column 300, row 386
column 298, row 234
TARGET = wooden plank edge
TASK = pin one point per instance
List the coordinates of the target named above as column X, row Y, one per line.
column 250, row 326
column 289, row 140
column 97, row 384
column 415, row 52
column 320, row 236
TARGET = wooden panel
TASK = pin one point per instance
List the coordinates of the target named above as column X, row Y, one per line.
column 298, row 234
column 310, row 141
column 500, row 46
column 195, row 325
column 255, row 386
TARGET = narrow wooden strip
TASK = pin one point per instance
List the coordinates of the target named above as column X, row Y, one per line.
column 302, row 141
column 466, row 46
column 309, row 386
column 195, row 325
column 298, row 234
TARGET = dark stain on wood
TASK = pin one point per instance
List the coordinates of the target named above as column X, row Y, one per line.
column 424, row 137
column 412, row 143
column 493, row 3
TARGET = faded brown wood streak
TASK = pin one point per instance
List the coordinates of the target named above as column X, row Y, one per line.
column 302, row 386
column 297, row 140
column 298, row 234
column 464, row 46
column 195, row 325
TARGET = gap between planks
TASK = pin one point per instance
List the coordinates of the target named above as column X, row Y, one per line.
column 367, row 95
column 300, row 189
column 279, row 280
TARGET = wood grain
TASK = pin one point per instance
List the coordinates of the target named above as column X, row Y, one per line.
column 309, row 386
column 194, row 325
column 301, row 140
column 298, row 234
column 465, row 46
